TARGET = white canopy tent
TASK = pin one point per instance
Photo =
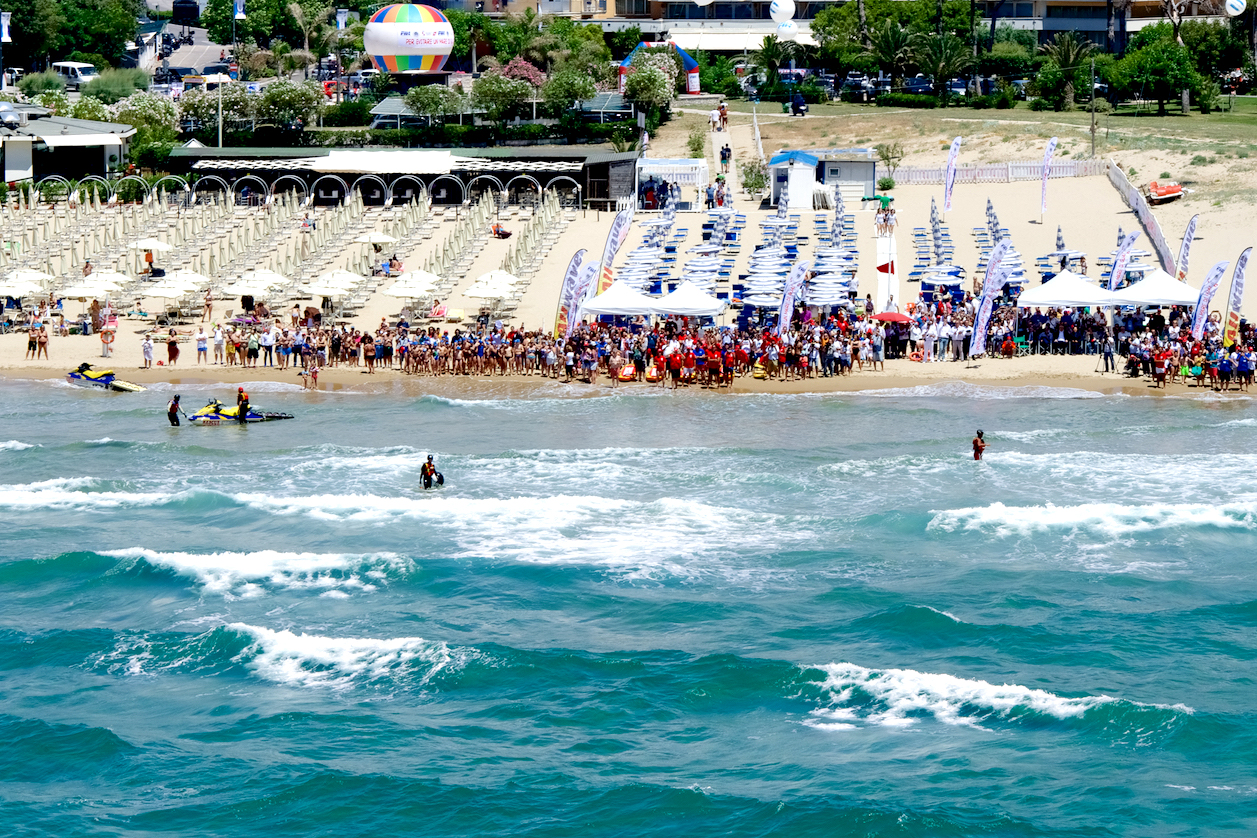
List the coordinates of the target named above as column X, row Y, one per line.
column 621, row 298
column 688, row 300
column 1065, row 289
column 1157, row 289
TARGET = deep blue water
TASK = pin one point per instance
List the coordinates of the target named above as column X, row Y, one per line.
column 644, row 614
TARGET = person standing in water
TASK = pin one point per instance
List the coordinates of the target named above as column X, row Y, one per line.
column 979, row 445
column 429, row 473
column 172, row 412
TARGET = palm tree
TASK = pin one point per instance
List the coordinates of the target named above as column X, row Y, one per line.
column 1069, row 52
column 891, row 47
column 943, row 57
column 863, row 18
column 312, row 24
column 772, row 55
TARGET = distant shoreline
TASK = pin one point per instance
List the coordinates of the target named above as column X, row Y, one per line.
column 1068, row 372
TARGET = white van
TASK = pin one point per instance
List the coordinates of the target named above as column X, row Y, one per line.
column 74, row 73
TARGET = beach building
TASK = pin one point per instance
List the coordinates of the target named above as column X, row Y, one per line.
column 35, row 145
column 852, row 170
column 591, row 176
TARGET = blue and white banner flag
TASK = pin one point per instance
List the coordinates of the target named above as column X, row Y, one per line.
column 1047, row 170
column 1185, row 249
column 950, row 180
column 1119, row 261
column 1201, row 314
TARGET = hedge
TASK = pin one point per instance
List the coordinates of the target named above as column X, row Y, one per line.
column 906, row 100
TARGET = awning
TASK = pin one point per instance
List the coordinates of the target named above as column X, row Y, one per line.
column 793, row 157
column 391, row 161
column 684, row 170
column 1065, row 289
column 729, row 41
column 80, row 140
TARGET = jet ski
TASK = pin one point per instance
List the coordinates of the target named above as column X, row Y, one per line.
column 217, row 413
column 85, row 376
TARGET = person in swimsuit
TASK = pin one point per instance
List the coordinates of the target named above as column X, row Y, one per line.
column 979, row 445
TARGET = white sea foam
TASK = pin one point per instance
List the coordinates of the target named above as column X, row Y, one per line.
column 900, row 697
column 14, row 445
column 252, row 574
column 965, row 390
column 311, row 660
column 63, row 493
column 1111, row 520
column 1039, row 435
column 222, row 387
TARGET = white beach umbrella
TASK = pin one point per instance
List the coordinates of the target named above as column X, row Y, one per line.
column 375, row 237
column 155, row 245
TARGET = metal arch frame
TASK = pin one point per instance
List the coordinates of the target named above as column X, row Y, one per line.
column 536, row 184
column 109, row 191
column 55, row 179
column 462, row 187
column 388, row 191
column 495, row 182
column 305, row 190
column 266, row 189
column 576, row 187
column 215, row 178
column 147, row 189
column 423, row 187
column 314, row 194
column 165, row 178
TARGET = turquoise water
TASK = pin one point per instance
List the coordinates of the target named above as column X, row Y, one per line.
column 644, row 615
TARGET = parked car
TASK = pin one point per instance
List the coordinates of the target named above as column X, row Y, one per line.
column 363, row 77
column 919, row 85
column 958, row 87
column 216, row 67
column 330, row 88
column 1020, row 88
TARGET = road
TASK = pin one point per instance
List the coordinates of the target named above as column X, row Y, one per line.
column 202, row 52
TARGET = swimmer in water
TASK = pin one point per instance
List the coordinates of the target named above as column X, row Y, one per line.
column 979, row 445
column 429, row 474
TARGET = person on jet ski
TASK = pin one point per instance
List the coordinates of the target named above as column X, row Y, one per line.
column 429, row 473
column 172, row 412
column 242, row 406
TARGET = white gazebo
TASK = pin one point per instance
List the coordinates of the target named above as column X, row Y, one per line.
column 688, row 300
column 1157, row 289
column 1065, row 289
column 622, row 299
column 686, row 172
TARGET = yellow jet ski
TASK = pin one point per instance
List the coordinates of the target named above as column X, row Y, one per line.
column 217, row 413
column 85, row 376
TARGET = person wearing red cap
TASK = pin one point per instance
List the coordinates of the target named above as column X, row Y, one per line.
column 242, row 405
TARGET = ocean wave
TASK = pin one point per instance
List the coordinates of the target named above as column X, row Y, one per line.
column 14, row 445
column 64, row 493
column 251, row 574
column 1111, row 520
column 981, row 392
column 855, row 696
column 311, row 660
column 223, row 387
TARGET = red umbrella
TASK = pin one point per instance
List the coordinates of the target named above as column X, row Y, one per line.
column 892, row 317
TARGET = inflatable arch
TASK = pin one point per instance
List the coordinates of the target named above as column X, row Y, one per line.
column 687, row 62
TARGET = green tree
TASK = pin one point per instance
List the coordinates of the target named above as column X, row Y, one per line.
column 37, row 83
column 624, row 41
column 199, row 109
column 100, row 26
column 891, row 46
column 567, row 87
column 649, row 89
column 499, row 96
column 434, row 100
column 1069, row 52
column 88, row 108
column 772, row 55
column 284, row 103
column 942, row 56
column 36, row 29
column 113, row 86
column 1160, row 70
column 264, row 21
column 311, row 19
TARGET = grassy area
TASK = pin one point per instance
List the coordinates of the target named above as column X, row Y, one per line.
column 1125, row 128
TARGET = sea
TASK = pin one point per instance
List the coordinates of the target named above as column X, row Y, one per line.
column 634, row 614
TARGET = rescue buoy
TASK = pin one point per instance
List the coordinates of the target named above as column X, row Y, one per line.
column 758, row 371
column 628, row 373
column 106, row 337
column 916, row 356
column 653, row 373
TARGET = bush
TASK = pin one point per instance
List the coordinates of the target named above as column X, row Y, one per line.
column 1199, row 160
column 697, row 142
column 981, row 103
column 112, row 86
column 347, row 115
column 1165, row 175
column 1040, row 104
column 906, row 100
column 885, row 183
column 1102, row 105
column 37, row 83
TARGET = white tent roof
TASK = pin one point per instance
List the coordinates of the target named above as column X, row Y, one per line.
column 1065, row 289
column 688, row 300
column 1157, row 289
column 621, row 298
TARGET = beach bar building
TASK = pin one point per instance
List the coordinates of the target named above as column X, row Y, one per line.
column 852, row 170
